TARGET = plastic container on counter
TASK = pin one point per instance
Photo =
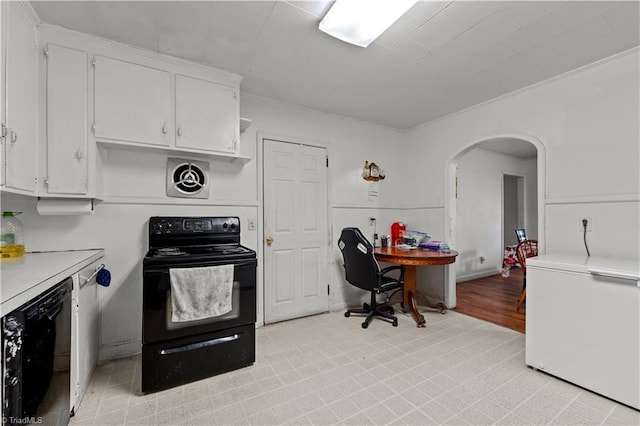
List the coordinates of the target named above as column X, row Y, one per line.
column 11, row 237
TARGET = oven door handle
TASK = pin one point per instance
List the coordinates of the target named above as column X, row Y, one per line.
column 200, row 345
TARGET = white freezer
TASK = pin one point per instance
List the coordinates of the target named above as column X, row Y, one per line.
column 583, row 322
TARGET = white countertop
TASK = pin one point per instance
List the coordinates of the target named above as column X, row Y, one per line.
column 621, row 268
column 21, row 281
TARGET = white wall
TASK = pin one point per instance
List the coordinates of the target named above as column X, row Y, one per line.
column 349, row 143
column 587, row 122
column 480, row 212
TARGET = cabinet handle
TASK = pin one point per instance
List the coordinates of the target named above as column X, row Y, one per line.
column 164, row 128
column 79, row 155
column 179, row 131
column 14, row 136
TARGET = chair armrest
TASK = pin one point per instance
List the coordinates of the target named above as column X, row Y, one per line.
column 388, row 269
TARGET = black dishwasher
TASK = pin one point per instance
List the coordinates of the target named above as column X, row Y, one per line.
column 36, row 354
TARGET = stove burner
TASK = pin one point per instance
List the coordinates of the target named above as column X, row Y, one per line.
column 170, row 251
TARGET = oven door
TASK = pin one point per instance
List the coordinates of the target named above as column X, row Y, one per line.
column 156, row 296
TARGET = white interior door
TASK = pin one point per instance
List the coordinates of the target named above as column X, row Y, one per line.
column 296, row 230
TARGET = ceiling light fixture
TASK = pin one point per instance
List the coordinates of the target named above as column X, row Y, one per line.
column 360, row 22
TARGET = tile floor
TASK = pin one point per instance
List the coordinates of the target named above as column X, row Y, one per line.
column 326, row 369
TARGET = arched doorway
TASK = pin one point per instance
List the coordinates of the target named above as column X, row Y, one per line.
column 500, row 143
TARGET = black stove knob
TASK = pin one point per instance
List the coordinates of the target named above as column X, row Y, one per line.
column 225, row 225
column 233, row 225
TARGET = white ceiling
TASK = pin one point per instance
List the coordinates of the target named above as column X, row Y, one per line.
column 439, row 58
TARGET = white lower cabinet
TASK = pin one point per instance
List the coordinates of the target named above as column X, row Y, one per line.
column 86, row 332
column 583, row 323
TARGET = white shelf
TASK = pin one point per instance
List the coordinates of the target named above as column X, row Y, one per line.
column 244, row 124
column 171, row 150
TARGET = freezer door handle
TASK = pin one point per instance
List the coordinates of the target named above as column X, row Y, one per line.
column 615, row 274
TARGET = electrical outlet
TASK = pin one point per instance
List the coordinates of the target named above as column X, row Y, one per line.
column 252, row 224
column 589, row 224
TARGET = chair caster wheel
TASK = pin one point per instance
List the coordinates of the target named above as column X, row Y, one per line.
column 365, row 324
column 395, row 322
column 347, row 314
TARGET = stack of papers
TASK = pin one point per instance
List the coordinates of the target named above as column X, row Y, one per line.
column 435, row 245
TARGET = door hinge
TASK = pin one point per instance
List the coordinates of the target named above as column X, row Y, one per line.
column 45, row 51
column 327, row 161
column 93, row 127
column 46, row 181
column 235, row 95
column 93, row 62
column 328, row 290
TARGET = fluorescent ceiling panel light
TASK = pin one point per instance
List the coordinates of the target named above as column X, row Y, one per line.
column 360, row 22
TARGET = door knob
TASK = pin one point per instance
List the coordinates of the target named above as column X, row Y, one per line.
column 269, row 240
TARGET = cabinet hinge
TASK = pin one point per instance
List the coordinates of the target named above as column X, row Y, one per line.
column 93, row 127
column 235, row 95
column 3, row 131
column 93, row 61
column 46, row 182
column 45, row 51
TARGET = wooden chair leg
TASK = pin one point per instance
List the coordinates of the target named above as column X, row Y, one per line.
column 523, row 296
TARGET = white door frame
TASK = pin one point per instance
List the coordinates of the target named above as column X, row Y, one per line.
column 522, row 205
column 450, row 208
column 261, row 136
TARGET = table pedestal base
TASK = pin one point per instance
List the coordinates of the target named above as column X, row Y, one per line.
column 409, row 297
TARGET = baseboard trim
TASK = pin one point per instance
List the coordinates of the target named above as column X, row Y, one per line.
column 477, row 275
column 119, row 350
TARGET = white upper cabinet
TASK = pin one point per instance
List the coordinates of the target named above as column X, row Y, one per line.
column 207, row 115
column 132, row 102
column 19, row 125
column 146, row 106
column 67, row 122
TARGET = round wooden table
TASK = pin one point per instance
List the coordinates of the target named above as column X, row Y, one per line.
column 411, row 259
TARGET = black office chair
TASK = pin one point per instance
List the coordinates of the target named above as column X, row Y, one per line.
column 362, row 270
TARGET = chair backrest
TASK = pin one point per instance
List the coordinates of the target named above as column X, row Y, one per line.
column 521, row 234
column 360, row 265
column 526, row 249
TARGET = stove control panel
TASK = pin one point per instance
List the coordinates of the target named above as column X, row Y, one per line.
column 194, row 225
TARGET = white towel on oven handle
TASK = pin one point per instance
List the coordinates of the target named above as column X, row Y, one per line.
column 199, row 293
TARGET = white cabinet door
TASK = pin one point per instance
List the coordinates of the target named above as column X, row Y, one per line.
column 207, row 115
column 87, row 330
column 20, row 98
column 132, row 102
column 67, row 165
